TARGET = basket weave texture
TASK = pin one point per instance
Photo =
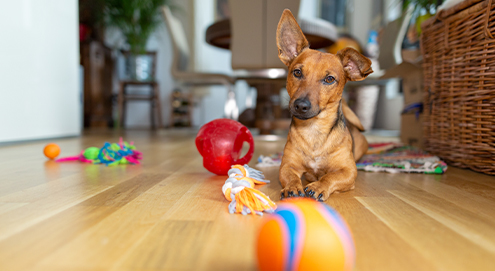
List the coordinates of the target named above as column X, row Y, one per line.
column 458, row 47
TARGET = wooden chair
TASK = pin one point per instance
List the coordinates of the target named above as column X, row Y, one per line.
column 152, row 96
column 186, row 77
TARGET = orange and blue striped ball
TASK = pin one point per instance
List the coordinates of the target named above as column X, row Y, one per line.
column 303, row 234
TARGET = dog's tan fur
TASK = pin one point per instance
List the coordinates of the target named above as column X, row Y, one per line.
column 324, row 141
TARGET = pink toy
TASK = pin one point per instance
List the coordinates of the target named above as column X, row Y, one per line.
column 110, row 154
column 220, row 143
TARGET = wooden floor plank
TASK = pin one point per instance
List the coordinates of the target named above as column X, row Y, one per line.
column 373, row 237
column 472, row 176
column 479, row 230
column 39, row 174
column 440, row 245
column 19, row 219
column 169, row 213
column 22, row 168
column 471, row 201
column 477, row 189
column 48, row 236
column 171, row 245
column 62, row 228
column 9, row 206
column 60, row 186
column 127, row 191
column 202, row 203
column 231, row 245
column 105, row 243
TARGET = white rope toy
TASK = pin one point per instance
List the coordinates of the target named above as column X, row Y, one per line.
column 239, row 189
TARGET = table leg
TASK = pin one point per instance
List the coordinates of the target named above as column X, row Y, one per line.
column 268, row 112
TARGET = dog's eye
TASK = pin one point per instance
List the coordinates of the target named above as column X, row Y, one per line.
column 329, row 80
column 297, row 73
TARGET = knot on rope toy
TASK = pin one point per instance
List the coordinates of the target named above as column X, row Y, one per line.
column 239, row 189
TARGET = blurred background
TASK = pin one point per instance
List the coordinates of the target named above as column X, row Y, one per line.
column 70, row 65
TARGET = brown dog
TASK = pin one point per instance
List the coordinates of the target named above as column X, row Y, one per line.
column 324, row 139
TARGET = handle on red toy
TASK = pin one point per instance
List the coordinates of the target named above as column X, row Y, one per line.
column 246, row 136
column 199, row 145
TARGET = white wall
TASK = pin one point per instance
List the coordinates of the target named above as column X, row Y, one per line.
column 138, row 112
column 39, row 69
column 212, row 59
column 309, row 9
column 196, row 16
column 360, row 19
column 393, row 10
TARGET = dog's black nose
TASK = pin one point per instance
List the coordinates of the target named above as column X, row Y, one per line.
column 302, row 106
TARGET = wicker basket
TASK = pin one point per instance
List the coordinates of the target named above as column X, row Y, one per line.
column 458, row 47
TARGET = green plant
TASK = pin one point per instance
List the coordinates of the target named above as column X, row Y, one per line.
column 137, row 19
column 428, row 6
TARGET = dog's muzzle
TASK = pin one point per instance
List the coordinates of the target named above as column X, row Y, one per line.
column 301, row 109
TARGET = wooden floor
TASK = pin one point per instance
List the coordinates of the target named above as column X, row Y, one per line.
column 170, row 214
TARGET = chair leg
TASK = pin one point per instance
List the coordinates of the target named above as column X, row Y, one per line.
column 152, row 113
column 124, row 113
column 231, row 110
column 121, row 107
column 158, row 105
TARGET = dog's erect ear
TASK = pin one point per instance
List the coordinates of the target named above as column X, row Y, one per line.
column 290, row 38
column 356, row 66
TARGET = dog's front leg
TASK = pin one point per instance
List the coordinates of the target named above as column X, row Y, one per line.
column 290, row 178
column 335, row 181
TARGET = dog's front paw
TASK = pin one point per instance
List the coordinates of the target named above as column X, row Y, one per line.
column 317, row 191
column 291, row 191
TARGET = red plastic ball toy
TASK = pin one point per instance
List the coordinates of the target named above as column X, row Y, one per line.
column 220, row 143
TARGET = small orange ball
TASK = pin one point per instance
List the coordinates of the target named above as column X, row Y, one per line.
column 51, row 150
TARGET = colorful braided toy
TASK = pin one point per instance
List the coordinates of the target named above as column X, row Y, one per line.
column 239, row 189
column 110, row 154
